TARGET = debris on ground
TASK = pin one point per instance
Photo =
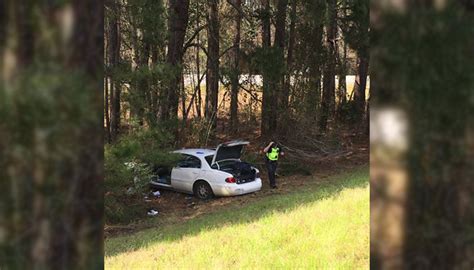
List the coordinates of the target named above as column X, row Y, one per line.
column 157, row 193
column 177, row 207
column 152, row 212
column 130, row 191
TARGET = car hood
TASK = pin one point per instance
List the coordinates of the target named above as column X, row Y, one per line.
column 229, row 150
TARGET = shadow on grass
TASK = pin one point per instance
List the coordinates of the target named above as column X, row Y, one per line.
column 238, row 215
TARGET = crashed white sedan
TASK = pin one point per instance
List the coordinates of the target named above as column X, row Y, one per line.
column 208, row 172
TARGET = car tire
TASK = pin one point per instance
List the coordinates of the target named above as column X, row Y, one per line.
column 203, row 190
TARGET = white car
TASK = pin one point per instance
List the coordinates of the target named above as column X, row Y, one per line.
column 208, row 172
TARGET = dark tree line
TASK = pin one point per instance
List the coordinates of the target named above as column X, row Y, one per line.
column 297, row 47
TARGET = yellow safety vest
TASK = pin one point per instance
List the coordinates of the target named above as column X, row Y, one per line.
column 273, row 155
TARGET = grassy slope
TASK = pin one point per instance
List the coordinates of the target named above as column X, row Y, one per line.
column 326, row 225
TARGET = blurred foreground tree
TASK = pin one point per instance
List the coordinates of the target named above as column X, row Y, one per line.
column 423, row 62
column 51, row 207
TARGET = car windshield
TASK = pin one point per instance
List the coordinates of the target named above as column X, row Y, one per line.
column 209, row 159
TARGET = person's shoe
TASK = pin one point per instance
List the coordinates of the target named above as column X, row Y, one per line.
column 274, row 187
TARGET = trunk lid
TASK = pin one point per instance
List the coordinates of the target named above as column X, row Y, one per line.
column 229, row 150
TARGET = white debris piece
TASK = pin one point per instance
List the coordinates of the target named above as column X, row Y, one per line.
column 152, row 212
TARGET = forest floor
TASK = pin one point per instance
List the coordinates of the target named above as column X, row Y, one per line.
column 176, row 208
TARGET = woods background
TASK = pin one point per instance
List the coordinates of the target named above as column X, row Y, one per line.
column 241, row 68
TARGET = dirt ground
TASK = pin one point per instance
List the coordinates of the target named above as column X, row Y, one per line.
column 174, row 207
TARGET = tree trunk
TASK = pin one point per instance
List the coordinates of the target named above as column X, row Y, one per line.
column 266, row 96
column 212, row 75
column 329, row 85
column 342, row 87
column 198, row 69
column 360, row 86
column 177, row 23
column 87, row 212
column 266, row 30
column 235, row 68
column 278, row 80
column 3, row 32
column 280, row 33
column 106, row 109
column 46, row 221
column 114, row 56
column 154, row 93
column 25, row 30
column 88, row 36
column 143, row 85
column 314, row 48
column 289, row 59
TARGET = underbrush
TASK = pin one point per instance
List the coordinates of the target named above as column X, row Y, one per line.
column 128, row 168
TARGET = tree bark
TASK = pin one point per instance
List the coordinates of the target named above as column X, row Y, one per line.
column 4, row 18
column 289, row 59
column 24, row 27
column 88, row 37
column 266, row 43
column 87, row 210
column 143, row 85
column 279, row 79
column 114, row 56
column 329, row 85
column 342, row 87
column 106, row 110
column 212, row 74
column 314, row 47
column 198, row 69
column 280, row 33
column 235, row 68
column 177, row 23
column 360, row 86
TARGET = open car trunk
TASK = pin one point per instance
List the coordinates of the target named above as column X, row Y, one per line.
column 243, row 172
column 229, row 151
column 227, row 159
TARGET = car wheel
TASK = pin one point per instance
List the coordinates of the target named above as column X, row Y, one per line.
column 202, row 190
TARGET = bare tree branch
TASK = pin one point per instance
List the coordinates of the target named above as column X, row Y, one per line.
column 198, row 45
column 191, row 39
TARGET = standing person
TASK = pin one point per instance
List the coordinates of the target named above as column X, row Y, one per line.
column 272, row 152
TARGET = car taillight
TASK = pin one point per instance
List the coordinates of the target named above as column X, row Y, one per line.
column 257, row 175
column 230, row 180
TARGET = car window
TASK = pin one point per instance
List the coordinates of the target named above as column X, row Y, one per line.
column 209, row 159
column 189, row 161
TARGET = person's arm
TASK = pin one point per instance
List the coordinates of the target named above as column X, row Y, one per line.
column 268, row 147
column 282, row 152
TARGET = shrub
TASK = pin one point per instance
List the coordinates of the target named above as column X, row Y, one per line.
column 128, row 168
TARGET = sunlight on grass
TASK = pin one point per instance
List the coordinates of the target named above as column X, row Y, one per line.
column 324, row 226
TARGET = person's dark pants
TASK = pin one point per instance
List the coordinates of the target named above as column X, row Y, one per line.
column 271, row 168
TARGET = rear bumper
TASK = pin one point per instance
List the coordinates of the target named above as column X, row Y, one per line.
column 234, row 189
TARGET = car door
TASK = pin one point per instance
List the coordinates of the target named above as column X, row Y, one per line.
column 185, row 173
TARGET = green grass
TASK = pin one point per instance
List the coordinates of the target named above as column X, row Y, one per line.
column 325, row 225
